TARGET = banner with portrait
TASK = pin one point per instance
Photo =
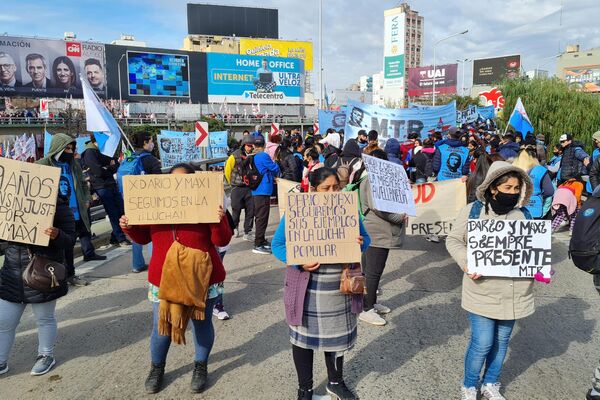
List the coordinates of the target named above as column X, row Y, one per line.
column 332, row 119
column 50, row 68
column 177, row 147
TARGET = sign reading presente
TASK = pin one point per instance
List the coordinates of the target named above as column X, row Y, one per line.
column 509, row 248
column 173, row 199
column 27, row 201
column 322, row 227
column 437, row 206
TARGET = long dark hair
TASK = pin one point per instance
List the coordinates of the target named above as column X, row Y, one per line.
column 478, row 176
column 187, row 167
column 317, row 176
column 67, row 61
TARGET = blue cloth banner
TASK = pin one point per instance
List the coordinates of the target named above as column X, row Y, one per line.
column 332, row 119
column 81, row 140
column 218, row 145
column 177, row 147
column 488, row 112
column 397, row 123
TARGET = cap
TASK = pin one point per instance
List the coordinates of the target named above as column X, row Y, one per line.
column 248, row 139
column 564, row 137
column 596, row 136
column 259, row 140
column 453, row 131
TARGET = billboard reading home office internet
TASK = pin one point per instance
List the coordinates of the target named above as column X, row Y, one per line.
column 50, row 68
column 489, row 70
column 234, row 78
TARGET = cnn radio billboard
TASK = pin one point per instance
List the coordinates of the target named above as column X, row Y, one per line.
column 420, row 80
column 50, row 68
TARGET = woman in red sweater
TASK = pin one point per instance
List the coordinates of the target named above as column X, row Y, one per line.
column 196, row 236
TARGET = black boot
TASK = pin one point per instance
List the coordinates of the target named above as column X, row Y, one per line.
column 305, row 394
column 199, row 377
column 339, row 391
column 155, row 378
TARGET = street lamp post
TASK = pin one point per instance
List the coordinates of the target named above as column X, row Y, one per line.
column 119, row 70
column 434, row 46
column 463, row 87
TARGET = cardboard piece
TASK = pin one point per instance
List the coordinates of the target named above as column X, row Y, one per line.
column 28, row 195
column 390, row 186
column 437, row 205
column 173, row 199
column 285, row 186
column 509, row 248
column 322, row 227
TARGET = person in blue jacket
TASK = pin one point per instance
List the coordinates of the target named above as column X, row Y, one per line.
column 543, row 189
column 595, row 156
column 392, row 149
column 450, row 157
column 508, row 148
column 261, row 197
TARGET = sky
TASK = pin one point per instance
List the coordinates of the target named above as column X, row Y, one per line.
column 352, row 30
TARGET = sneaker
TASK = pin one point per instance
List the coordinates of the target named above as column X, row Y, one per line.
column 220, row 313
column 125, row 243
column 43, row 365
column 381, row 309
column 155, row 378
column 371, row 317
column 248, row 237
column 468, row 393
column 304, row 394
column 137, row 271
column 3, row 368
column 95, row 257
column 491, row 391
column 267, row 245
column 77, row 281
column 339, row 391
column 261, row 250
column 591, row 394
column 199, row 377
column 237, row 233
column 432, row 238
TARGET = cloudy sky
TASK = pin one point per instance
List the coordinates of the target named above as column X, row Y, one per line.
column 352, row 33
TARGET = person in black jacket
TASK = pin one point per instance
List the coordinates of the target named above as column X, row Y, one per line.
column 15, row 295
column 101, row 170
column 290, row 165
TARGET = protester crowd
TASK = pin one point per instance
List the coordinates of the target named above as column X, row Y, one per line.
column 508, row 175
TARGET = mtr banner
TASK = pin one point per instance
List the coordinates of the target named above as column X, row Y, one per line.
column 234, row 78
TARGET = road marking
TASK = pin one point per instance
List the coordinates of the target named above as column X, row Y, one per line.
column 89, row 266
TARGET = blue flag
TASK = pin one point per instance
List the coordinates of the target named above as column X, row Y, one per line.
column 519, row 119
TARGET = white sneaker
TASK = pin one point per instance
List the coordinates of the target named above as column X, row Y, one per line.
column 491, row 391
column 468, row 393
column 371, row 317
column 432, row 238
column 248, row 237
column 381, row 309
column 237, row 233
column 220, row 313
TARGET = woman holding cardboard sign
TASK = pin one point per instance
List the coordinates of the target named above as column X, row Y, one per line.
column 493, row 304
column 184, row 276
column 320, row 316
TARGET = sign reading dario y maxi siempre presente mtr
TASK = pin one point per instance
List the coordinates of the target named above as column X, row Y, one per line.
column 235, row 78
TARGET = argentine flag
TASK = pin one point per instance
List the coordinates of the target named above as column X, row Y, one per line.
column 100, row 121
column 519, row 119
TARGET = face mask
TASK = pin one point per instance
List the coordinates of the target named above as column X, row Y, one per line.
column 65, row 157
column 502, row 203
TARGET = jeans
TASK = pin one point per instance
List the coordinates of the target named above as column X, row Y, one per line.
column 373, row 262
column 203, row 332
column 113, row 205
column 10, row 315
column 488, row 344
column 87, row 248
column 137, row 251
column 262, row 207
column 241, row 199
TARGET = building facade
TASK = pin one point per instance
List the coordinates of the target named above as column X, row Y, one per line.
column 580, row 68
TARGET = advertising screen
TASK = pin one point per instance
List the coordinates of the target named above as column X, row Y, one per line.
column 489, row 70
column 420, row 80
column 155, row 74
column 248, row 79
column 278, row 48
column 219, row 20
column 50, row 68
column 586, row 78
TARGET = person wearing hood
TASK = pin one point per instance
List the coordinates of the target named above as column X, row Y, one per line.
column 450, row 157
column 508, row 148
column 349, row 163
column 331, row 155
column 61, row 155
column 392, row 149
column 362, row 139
column 493, row 304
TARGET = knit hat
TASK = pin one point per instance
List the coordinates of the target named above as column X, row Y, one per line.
column 596, row 136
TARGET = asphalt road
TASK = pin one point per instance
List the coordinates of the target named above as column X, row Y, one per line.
column 102, row 350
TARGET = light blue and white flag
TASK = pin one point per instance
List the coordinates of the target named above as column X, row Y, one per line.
column 519, row 119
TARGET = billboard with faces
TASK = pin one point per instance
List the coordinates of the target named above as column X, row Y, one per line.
column 50, row 67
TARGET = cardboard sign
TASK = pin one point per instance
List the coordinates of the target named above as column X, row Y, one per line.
column 283, row 187
column 173, row 199
column 437, row 206
column 390, row 186
column 509, row 248
column 28, row 195
column 322, row 227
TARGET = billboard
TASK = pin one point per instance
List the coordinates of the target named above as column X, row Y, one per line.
column 217, row 20
column 50, row 68
column 489, row 70
column 586, row 77
column 278, row 48
column 420, row 80
column 393, row 54
column 158, row 74
column 234, row 78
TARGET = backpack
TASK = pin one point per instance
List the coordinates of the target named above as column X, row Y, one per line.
column 250, row 175
column 478, row 205
column 131, row 165
column 584, row 248
column 346, row 171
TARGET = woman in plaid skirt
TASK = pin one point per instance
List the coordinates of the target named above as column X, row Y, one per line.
column 320, row 317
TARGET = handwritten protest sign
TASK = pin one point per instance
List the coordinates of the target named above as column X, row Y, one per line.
column 510, row 248
column 322, row 227
column 437, row 206
column 390, row 186
column 173, row 199
column 285, row 186
column 27, row 201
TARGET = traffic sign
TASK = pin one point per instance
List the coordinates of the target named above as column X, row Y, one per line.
column 201, row 134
